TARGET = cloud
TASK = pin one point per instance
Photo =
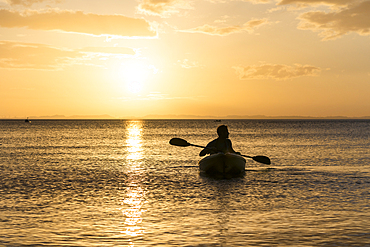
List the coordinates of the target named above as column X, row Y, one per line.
column 162, row 7
column 30, row 2
column 186, row 64
column 250, row 1
column 33, row 56
column 223, row 31
column 109, row 50
column 275, row 71
column 76, row 21
column 354, row 18
column 316, row 2
column 17, row 55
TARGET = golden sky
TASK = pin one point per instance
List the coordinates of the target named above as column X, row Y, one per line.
column 133, row 58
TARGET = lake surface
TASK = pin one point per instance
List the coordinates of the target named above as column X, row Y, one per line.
column 120, row 183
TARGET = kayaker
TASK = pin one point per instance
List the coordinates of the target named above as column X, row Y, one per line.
column 221, row 144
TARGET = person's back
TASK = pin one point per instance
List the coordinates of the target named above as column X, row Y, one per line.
column 221, row 144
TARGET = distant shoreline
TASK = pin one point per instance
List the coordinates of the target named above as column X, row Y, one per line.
column 188, row 117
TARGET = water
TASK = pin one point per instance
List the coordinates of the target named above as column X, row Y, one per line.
column 119, row 183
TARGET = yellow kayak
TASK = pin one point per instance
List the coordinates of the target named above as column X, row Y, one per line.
column 223, row 164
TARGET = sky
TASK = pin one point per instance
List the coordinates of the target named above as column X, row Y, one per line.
column 139, row 58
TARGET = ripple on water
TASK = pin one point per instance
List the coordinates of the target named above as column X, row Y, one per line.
column 120, row 183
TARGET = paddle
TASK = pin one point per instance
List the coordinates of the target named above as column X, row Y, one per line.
column 182, row 143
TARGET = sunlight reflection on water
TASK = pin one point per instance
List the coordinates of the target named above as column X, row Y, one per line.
column 134, row 141
column 134, row 197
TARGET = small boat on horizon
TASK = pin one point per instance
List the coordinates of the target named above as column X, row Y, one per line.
column 27, row 121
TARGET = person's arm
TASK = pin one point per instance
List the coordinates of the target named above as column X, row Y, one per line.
column 231, row 147
column 204, row 152
column 210, row 149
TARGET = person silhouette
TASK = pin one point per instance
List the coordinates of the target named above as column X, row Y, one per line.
column 221, row 144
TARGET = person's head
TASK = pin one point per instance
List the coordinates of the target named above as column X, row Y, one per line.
column 222, row 131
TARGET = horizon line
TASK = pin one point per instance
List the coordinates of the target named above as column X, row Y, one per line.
column 174, row 117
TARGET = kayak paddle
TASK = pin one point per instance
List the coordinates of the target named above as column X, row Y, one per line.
column 183, row 143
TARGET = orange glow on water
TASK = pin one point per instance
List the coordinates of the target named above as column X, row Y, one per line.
column 134, row 200
column 134, row 141
column 134, row 196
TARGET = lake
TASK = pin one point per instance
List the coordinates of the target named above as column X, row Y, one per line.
column 120, row 183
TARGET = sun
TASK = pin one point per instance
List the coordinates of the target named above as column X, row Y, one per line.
column 135, row 75
column 134, row 87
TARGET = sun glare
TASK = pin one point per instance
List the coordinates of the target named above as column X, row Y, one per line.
column 135, row 75
column 134, row 87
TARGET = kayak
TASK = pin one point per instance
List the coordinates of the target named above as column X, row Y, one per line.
column 228, row 164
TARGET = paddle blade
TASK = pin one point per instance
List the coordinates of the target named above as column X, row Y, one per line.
column 179, row 142
column 262, row 159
